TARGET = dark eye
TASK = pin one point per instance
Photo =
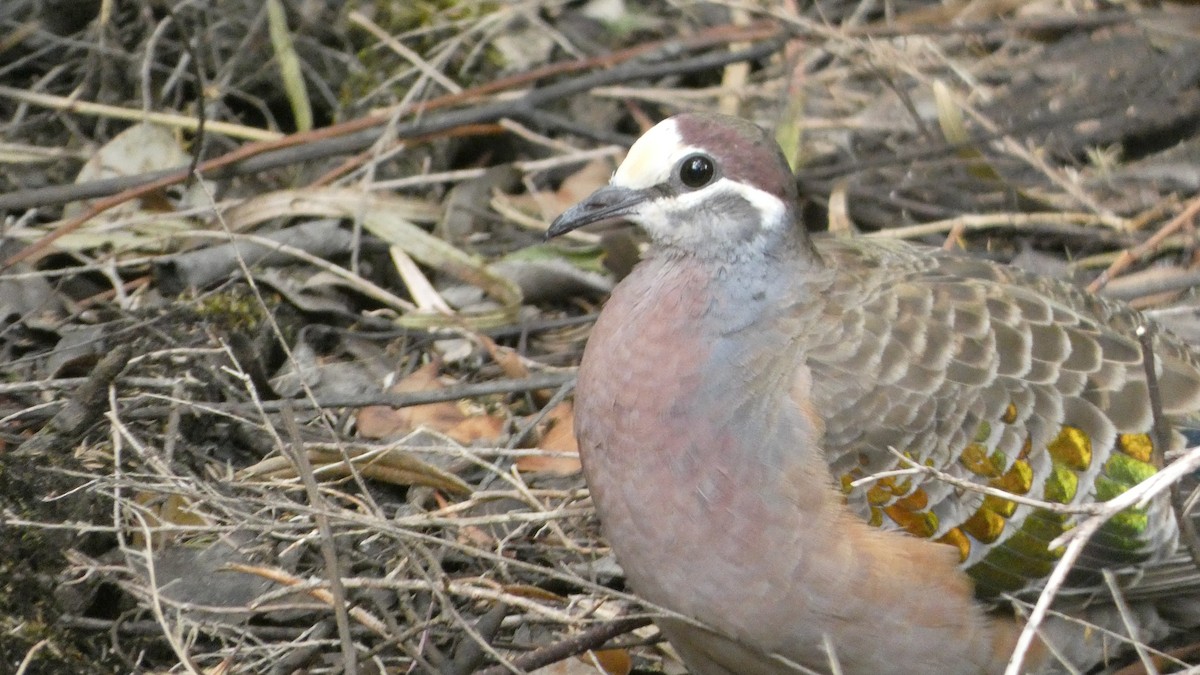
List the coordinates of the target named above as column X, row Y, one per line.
column 696, row 171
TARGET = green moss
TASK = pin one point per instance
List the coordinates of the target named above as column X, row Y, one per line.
column 401, row 18
column 235, row 309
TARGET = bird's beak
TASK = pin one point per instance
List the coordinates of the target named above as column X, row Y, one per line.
column 610, row 201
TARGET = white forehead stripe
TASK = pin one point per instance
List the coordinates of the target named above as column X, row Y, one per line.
column 652, row 156
column 650, row 162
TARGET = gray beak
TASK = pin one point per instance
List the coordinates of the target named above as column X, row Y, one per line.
column 608, row 202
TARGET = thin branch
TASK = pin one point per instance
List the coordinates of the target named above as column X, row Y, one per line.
column 592, row 638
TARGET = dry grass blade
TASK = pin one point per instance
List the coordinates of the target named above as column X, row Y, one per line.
column 391, row 465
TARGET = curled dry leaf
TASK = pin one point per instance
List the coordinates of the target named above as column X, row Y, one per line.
column 445, row 417
column 468, row 534
column 506, row 357
column 609, row 661
column 160, row 511
column 147, row 223
column 606, row 661
column 140, row 149
column 560, row 438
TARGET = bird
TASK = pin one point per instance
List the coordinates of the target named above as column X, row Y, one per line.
column 767, row 419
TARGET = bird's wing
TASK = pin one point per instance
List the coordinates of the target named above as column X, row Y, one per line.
column 999, row 379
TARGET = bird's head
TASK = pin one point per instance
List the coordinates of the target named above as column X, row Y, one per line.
column 709, row 185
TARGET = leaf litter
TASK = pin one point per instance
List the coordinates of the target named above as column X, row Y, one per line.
column 257, row 418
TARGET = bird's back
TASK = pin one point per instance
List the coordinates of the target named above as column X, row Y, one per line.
column 1001, row 379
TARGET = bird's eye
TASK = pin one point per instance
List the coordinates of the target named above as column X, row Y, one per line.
column 696, row 170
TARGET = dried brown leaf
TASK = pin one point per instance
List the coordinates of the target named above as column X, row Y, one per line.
column 560, row 437
column 444, row 417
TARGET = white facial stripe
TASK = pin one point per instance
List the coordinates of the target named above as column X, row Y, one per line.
column 769, row 206
column 652, row 157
